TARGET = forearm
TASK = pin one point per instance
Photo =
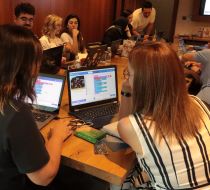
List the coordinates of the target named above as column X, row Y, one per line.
column 47, row 173
column 149, row 28
column 75, row 46
column 188, row 57
column 135, row 33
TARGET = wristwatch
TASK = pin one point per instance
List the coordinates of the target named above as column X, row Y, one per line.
column 126, row 94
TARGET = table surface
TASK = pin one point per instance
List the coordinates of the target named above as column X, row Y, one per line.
column 79, row 154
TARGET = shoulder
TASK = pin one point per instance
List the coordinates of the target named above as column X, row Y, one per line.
column 22, row 115
column 153, row 11
column 65, row 35
column 128, row 133
column 137, row 12
column 43, row 38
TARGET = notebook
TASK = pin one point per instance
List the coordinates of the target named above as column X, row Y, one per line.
column 49, row 91
column 93, row 94
column 51, row 60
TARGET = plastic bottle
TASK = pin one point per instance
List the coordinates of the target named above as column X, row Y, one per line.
column 109, row 54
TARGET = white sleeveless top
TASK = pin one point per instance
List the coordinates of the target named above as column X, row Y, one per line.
column 182, row 164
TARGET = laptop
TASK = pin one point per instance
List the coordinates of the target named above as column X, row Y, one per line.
column 93, row 94
column 115, row 47
column 49, row 92
column 95, row 55
column 51, row 60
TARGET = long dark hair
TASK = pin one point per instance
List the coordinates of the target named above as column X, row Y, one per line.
column 20, row 55
column 160, row 92
column 79, row 37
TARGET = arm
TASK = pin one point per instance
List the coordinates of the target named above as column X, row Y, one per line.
column 44, row 42
column 128, row 134
column 47, row 173
column 149, row 28
column 71, row 43
column 188, row 57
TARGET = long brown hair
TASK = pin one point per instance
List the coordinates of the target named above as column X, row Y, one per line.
column 79, row 36
column 159, row 91
column 20, row 55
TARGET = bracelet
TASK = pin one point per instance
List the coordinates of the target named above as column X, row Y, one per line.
column 126, row 94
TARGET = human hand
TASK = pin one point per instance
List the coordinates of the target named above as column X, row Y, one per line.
column 61, row 131
column 193, row 65
column 146, row 37
column 63, row 60
column 75, row 32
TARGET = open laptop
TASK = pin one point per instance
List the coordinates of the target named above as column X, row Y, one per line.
column 49, row 91
column 115, row 47
column 51, row 60
column 95, row 55
column 93, row 94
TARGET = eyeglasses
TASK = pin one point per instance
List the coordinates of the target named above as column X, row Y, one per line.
column 24, row 19
column 126, row 74
column 77, row 123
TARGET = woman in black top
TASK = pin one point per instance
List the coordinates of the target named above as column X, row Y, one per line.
column 23, row 152
column 116, row 32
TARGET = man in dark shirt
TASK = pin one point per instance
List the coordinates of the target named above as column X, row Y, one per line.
column 24, row 15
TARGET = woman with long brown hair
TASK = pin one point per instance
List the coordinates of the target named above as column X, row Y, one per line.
column 23, row 152
column 167, row 128
column 72, row 37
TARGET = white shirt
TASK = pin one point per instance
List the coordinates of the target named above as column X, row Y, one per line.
column 48, row 43
column 140, row 22
column 66, row 38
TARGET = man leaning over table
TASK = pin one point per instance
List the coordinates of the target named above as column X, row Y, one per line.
column 143, row 20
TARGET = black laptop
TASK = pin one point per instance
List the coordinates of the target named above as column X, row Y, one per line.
column 51, row 60
column 95, row 55
column 93, row 94
column 115, row 47
column 49, row 92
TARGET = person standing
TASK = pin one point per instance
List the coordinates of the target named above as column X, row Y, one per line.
column 143, row 20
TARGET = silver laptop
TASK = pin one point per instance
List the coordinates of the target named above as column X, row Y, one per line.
column 49, row 91
column 93, row 94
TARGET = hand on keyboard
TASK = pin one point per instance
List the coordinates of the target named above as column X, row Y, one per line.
column 61, row 131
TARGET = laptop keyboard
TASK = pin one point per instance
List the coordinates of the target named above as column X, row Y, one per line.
column 40, row 117
column 92, row 113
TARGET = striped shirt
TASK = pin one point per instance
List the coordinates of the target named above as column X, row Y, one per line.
column 182, row 164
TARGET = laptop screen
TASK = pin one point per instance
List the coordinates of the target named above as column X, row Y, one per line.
column 48, row 89
column 92, row 86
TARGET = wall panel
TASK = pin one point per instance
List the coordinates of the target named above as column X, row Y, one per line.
column 96, row 15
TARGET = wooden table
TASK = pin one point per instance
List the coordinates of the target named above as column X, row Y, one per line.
column 79, row 154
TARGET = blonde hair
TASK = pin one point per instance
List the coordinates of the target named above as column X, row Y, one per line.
column 50, row 23
column 160, row 91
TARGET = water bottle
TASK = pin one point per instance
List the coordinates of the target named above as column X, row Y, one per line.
column 181, row 47
column 108, row 54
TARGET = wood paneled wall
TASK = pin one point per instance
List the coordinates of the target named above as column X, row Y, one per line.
column 95, row 15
